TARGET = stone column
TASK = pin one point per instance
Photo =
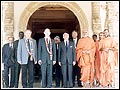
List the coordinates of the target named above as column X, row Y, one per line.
column 113, row 19
column 96, row 19
column 7, row 20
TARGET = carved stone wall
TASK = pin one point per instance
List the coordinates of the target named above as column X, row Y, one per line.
column 113, row 18
column 96, row 19
column 7, row 20
column 106, row 15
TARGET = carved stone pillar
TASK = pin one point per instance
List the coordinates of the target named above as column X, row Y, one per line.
column 113, row 18
column 7, row 20
column 96, row 20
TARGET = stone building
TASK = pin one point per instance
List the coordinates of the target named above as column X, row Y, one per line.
column 59, row 17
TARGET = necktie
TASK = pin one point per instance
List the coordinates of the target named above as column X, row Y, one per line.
column 10, row 45
column 47, row 42
column 28, row 42
column 66, row 45
column 74, row 43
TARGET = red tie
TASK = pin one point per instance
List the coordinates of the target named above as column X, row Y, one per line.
column 46, row 41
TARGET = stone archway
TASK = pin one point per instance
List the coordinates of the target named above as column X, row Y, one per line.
column 33, row 6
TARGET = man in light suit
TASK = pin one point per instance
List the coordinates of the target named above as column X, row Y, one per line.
column 17, row 65
column 8, row 59
column 67, row 58
column 27, row 56
column 76, row 68
column 46, row 57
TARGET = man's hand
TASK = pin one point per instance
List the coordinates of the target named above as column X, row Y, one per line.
column 39, row 62
column 19, row 62
column 87, row 51
column 60, row 63
column 106, row 50
column 54, row 62
column 74, row 63
column 83, row 51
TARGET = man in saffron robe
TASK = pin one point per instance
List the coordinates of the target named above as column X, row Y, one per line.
column 85, row 52
column 107, row 47
column 97, row 57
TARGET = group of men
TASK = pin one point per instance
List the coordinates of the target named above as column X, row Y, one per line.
column 72, row 58
column 106, row 59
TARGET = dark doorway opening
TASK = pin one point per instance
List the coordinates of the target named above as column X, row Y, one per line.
column 58, row 18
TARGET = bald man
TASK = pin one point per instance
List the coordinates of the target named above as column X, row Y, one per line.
column 67, row 58
column 85, row 51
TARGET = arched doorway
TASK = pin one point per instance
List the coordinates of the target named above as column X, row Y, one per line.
column 72, row 6
column 58, row 18
column 80, row 21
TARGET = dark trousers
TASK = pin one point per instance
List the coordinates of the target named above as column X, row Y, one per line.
column 17, row 74
column 67, row 74
column 76, row 72
column 46, row 71
column 12, row 75
column 57, row 74
column 30, row 69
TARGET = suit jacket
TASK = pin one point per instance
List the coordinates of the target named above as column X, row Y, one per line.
column 8, row 55
column 57, row 47
column 43, row 54
column 76, row 42
column 15, row 47
column 22, row 53
column 70, row 55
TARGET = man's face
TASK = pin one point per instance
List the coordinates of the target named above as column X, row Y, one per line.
column 94, row 38
column 85, row 33
column 101, row 36
column 74, row 35
column 28, row 34
column 57, row 40
column 10, row 39
column 66, row 36
column 47, row 32
column 106, row 33
column 21, row 35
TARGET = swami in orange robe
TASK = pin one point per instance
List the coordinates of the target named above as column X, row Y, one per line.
column 108, row 61
column 85, row 52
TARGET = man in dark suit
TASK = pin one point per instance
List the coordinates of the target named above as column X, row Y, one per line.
column 46, row 57
column 17, row 65
column 9, row 62
column 67, row 58
column 57, row 67
column 76, row 69
column 27, row 56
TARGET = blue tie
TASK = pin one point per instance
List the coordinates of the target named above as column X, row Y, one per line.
column 28, row 42
column 66, row 46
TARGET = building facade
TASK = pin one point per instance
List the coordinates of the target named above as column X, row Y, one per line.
column 86, row 15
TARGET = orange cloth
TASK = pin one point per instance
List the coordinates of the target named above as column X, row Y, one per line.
column 86, row 61
column 107, row 60
column 97, row 61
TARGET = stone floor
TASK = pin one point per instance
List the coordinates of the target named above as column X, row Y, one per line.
column 115, row 85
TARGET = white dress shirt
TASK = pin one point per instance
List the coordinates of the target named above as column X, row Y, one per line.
column 67, row 42
column 75, row 42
